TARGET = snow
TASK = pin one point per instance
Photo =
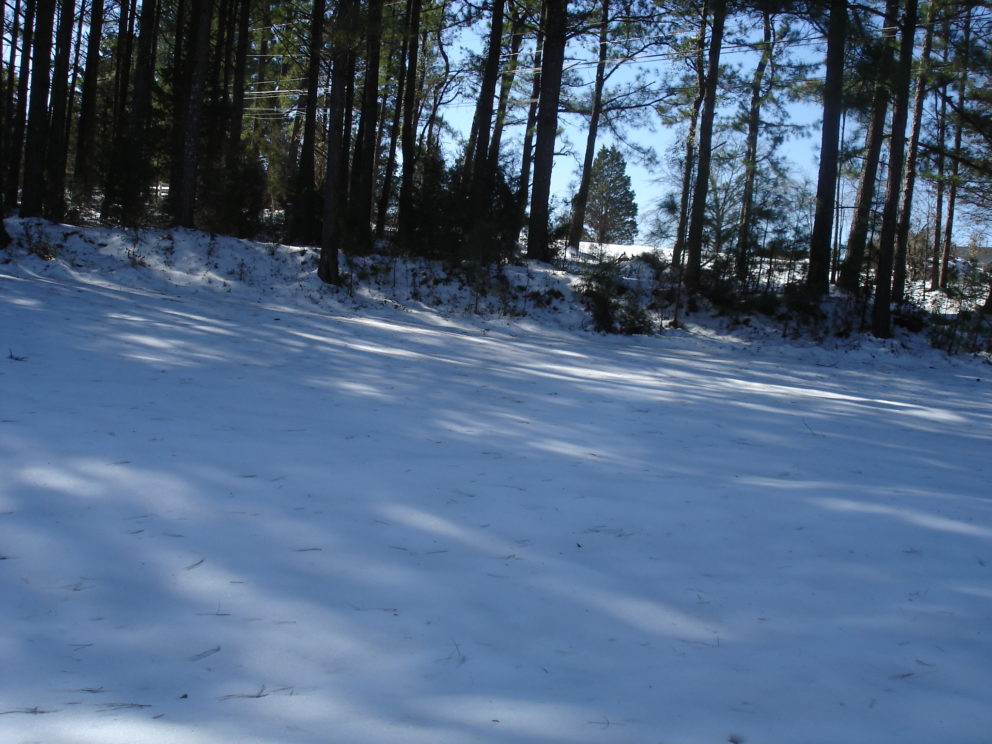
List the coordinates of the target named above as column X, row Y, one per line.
column 589, row 251
column 240, row 507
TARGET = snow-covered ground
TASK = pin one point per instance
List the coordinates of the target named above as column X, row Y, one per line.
column 238, row 507
column 594, row 251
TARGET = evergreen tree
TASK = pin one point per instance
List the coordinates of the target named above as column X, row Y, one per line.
column 611, row 212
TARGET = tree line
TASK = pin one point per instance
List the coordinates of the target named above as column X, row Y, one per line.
column 334, row 114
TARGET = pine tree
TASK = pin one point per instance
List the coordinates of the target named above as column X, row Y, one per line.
column 611, row 212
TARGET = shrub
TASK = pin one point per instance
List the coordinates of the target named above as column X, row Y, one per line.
column 600, row 288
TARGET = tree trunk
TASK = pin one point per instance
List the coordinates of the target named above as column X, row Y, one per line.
column 477, row 154
column 77, row 68
column 54, row 197
column 751, row 152
column 202, row 11
column 408, row 133
column 818, row 276
column 360, row 202
column 303, row 218
column 697, row 213
column 881, row 316
column 15, row 28
column 36, row 143
column 577, row 225
column 330, row 241
column 556, row 23
column 181, row 78
column 136, row 177
column 15, row 147
column 952, row 191
column 394, row 135
column 689, row 164
column 118, row 146
column 857, row 238
column 941, row 143
column 909, row 178
column 527, row 156
column 509, row 72
column 237, row 113
column 4, row 128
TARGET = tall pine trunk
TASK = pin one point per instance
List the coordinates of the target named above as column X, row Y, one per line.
column 361, row 197
column 577, row 225
column 689, row 157
column 136, row 178
column 84, row 175
column 59, row 116
column 697, row 212
column 185, row 203
column 237, row 111
column 303, row 216
column 952, row 190
column 527, row 151
column 941, row 158
column 386, row 193
column 4, row 128
column 556, row 23
column 477, row 153
column 38, row 128
column 408, row 133
column 864, row 203
column 479, row 172
column 506, row 85
column 881, row 315
column 334, row 198
column 744, row 238
column 179, row 72
column 909, row 178
column 818, row 277
column 15, row 147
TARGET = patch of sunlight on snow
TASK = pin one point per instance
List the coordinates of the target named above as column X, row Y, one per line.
column 60, row 480
column 910, row 516
column 643, row 614
column 937, row 415
column 654, row 617
column 155, row 343
column 24, row 302
column 87, row 729
column 391, row 327
column 576, row 451
column 553, row 721
column 973, row 591
column 191, row 316
column 102, row 480
column 352, row 345
column 127, row 317
column 785, row 482
column 151, row 488
column 356, row 388
column 208, row 583
column 174, row 352
column 426, row 522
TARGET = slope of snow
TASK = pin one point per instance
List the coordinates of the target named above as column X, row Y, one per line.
column 238, row 507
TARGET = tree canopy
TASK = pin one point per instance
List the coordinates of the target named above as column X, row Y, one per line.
column 334, row 122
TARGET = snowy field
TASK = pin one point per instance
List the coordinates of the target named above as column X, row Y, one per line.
column 237, row 508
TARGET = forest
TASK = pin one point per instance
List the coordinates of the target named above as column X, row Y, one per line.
column 333, row 124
